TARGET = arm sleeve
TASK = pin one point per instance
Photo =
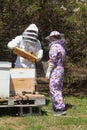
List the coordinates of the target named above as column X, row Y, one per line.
column 39, row 51
column 53, row 54
column 14, row 42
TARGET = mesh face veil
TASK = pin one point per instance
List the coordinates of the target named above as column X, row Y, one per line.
column 30, row 34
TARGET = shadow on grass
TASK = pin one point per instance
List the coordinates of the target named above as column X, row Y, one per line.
column 15, row 112
column 68, row 106
column 9, row 111
column 47, row 102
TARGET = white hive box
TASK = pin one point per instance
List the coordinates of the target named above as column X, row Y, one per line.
column 22, row 80
column 5, row 79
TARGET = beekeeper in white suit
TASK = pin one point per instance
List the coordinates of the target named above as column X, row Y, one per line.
column 29, row 42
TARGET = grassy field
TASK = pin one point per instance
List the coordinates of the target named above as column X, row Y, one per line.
column 75, row 118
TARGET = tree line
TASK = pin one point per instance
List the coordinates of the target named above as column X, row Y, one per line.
column 66, row 16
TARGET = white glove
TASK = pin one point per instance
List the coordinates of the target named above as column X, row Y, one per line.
column 47, row 75
column 49, row 70
column 11, row 45
column 40, row 55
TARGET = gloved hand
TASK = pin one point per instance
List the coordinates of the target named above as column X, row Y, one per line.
column 49, row 70
column 47, row 75
column 40, row 55
column 11, row 45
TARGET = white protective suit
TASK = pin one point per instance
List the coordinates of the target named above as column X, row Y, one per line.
column 28, row 42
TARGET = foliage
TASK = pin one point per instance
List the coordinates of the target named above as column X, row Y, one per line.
column 66, row 16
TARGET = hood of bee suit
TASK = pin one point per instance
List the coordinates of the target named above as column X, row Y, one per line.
column 30, row 34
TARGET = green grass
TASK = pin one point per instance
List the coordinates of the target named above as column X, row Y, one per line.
column 75, row 119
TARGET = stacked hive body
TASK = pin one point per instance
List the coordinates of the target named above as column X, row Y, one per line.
column 22, row 81
column 4, row 79
column 17, row 89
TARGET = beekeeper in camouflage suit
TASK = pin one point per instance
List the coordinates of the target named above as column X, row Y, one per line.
column 55, row 70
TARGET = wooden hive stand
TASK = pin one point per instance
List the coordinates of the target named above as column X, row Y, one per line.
column 30, row 102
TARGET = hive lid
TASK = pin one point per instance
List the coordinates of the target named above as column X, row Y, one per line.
column 5, row 64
